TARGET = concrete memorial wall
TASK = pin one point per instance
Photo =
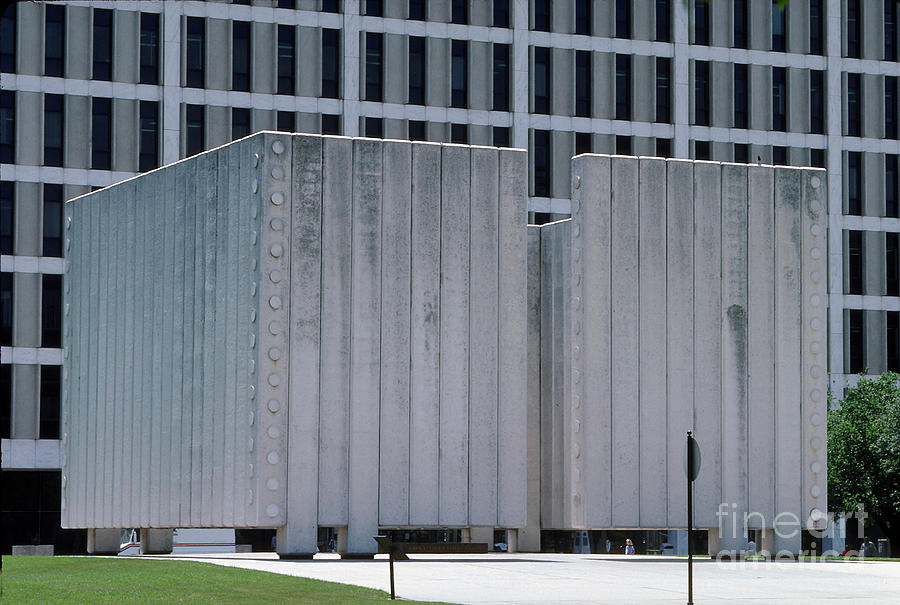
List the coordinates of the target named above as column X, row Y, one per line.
column 296, row 331
column 684, row 296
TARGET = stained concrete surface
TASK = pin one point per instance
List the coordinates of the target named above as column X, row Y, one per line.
column 500, row 578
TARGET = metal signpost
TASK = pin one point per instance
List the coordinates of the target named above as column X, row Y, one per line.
column 693, row 469
column 394, row 552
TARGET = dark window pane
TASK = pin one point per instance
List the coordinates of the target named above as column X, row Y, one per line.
column 583, row 17
column 501, row 77
column 149, row 145
column 663, row 27
column 286, row 121
column 54, row 40
column 853, row 27
column 779, row 27
column 857, row 341
column 8, row 39
column 501, row 136
column 779, row 98
column 741, row 96
column 331, row 6
column 54, row 125
column 542, row 15
column 891, row 186
column 817, row 101
column 49, row 427
column 7, row 126
column 583, row 83
column 240, row 122
column 701, row 93
column 374, row 8
column 701, row 23
column 331, row 63
column 286, row 59
column 541, row 80
column 459, row 73
column 103, row 44
column 501, row 13
column 195, row 53
column 741, row 153
column 892, row 265
column 149, row 48
column 854, row 105
column 195, row 137
column 583, row 143
column 623, row 18
column 286, row 4
column 893, row 334
column 816, row 26
column 663, row 95
column 101, row 134
column 817, row 158
column 417, row 69
column 374, row 66
column 701, row 150
column 623, row 87
column 890, row 107
column 417, row 10
column 6, row 308
column 459, row 12
column 459, row 133
column 855, row 262
column 240, row 55
column 542, row 163
column 7, row 217
column 663, row 148
column 51, row 311
column 780, row 156
column 417, row 130
column 741, row 17
column 890, row 30
column 5, row 398
column 374, row 128
column 854, row 182
column 53, row 217
column 623, row 145
column 331, row 124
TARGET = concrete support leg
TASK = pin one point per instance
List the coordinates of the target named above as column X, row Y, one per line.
column 732, row 539
column 355, row 543
column 292, row 542
column 766, row 546
column 512, row 540
column 103, row 541
column 156, row 541
column 787, row 545
column 713, row 542
column 530, row 538
column 483, row 534
column 465, row 535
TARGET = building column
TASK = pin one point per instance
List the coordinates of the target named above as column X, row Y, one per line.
column 293, row 542
column 156, row 541
column 103, row 541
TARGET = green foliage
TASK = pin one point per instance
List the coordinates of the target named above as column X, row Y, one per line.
column 864, row 450
column 74, row 580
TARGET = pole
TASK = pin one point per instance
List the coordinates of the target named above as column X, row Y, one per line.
column 391, row 559
column 690, row 512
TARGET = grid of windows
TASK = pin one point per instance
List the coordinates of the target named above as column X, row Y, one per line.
column 331, row 124
column 583, row 17
column 541, row 79
column 742, row 153
column 741, row 17
column 623, row 145
column 663, row 88
column 854, row 182
column 459, row 133
column 374, row 66
column 583, row 83
column 103, row 44
column 542, row 15
column 54, row 40
column 501, row 136
column 195, row 129
column 623, row 87
column 286, row 121
column 417, row 67
column 701, row 150
column 701, row 93
column 8, row 39
column 890, row 30
column 542, row 163
column 891, row 265
column 50, row 391
column 853, row 27
column 583, row 143
column 501, row 77
column 240, row 122
column 149, row 68
column 374, row 8
column 459, row 11
column 374, row 128
column 623, row 18
column 663, row 21
column 331, row 63
column 857, row 341
column 240, row 55
column 779, row 27
column 148, row 147
column 101, row 133
column 459, row 73
column 664, row 148
column 417, row 10
column 54, row 128
column 287, row 52
column 501, row 13
column 51, row 311
column 701, row 23
column 816, row 26
column 195, row 53
column 817, row 101
column 779, row 98
column 417, row 130
column 854, row 105
column 741, row 96
column 52, row 220
column 855, row 262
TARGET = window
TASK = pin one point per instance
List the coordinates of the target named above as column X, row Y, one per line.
column 417, row 131
column 417, row 68
column 741, row 17
column 501, row 136
column 149, row 146
column 374, row 64
column 374, row 8
column 854, row 182
column 459, row 133
column 101, row 134
column 501, row 77
column 853, row 19
column 623, row 18
column 892, row 321
column 623, row 87
column 195, row 54
column 779, row 98
column 331, row 63
column 195, row 132
column 623, row 145
column 891, row 186
column 890, row 107
column 663, row 27
column 855, row 262
column 54, row 124
column 663, row 148
column 103, row 43
column 742, row 153
column 6, row 308
column 817, row 158
column 51, row 311
column 854, row 105
column 741, row 96
column 663, row 98
column 240, row 123
column 53, row 218
column 285, row 121
column 856, row 330
column 501, row 13
column 583, row 17
column 542, row 15
column 8, row 39
column 240, row 55
column 331, row 6
column 541, row 80
column 817, row 101
column 286, row 59
column 5, row 399
column 816, row 26
column 244, row 2
column 149, row 48
column 49, row 426
column 374, row 128
column 459, row 71
column 331, row 124
column 417, row 10
column 285, row 4
column 780, row 156
column 583, row 143
column 701, row 93
column 542, row 163
column 701, row 23
column 583, row 83
column 779, row 27
column 7, row 217
column 891, row 265
column 459, row 11
column 701, row 150
column 890, row 30
column 54, row 40
column 7, row 126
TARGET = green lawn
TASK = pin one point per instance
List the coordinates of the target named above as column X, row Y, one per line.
column 74, row 580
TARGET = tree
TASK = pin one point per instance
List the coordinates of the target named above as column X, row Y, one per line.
column 864, row 452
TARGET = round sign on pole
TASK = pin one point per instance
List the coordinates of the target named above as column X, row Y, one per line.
column 693, row 469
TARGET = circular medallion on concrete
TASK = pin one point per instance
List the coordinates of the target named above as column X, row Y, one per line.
column 272, row 510
column 815, row 323
column 275, row 301
column 815, row 443
column 274, row 328
column 273, row 431
column 815, row 490
column 274, row 353
column 277, row 173
column 815, row 182
column 815, row 395
column 815, row 253
column 275, row 276
column 278, row 147
column 276, row 250
column 273, row 457
column 273, row 406
column 277, row 224
column 815, row 276
column 272, row 484
column 815, row 419
column 278, row 198
column 815, row 229
column 274, row 380
column 815, row 300
column 815, row 371
column 816, row 466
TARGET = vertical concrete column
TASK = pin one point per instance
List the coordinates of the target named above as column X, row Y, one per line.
column 520, row 73
column 350, row 55
column 482, row 534
column 681, row 82
column 834, row 32
column 103, row 541
column 171, row 80
column 530, row 535
column 156, row 541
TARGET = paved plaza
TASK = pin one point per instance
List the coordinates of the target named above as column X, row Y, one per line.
column 497, row 578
